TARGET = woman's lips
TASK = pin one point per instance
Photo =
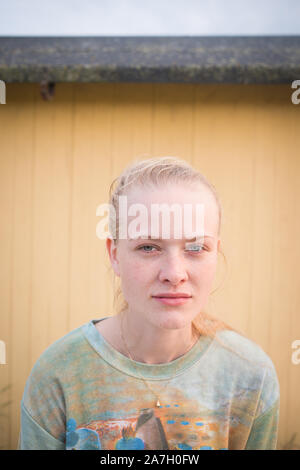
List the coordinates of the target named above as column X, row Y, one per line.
column 173, row 300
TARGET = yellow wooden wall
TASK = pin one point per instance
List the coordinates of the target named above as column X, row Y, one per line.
column 57, row 161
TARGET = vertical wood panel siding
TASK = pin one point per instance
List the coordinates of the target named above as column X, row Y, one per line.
column 58, row 159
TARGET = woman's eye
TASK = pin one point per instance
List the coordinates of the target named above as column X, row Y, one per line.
column 146, row 246
column 192, row 248
column 196, row 248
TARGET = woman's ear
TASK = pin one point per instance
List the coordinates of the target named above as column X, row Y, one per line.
column 112, row 252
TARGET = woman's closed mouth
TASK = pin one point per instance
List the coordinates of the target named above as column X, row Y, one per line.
column 173, row 299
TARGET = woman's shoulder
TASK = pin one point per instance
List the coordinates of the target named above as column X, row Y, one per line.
column 247, row 369
column 248, row 366
column 247, row 350
column 59, row 355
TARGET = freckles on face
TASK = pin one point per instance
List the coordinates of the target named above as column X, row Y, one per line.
column 138, row 278
column 168, row 265
column 134, row 270
column 144, row 275
column 141, row 270
column 206, row 273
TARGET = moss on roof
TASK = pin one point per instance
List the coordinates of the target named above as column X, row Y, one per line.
column 186, row 59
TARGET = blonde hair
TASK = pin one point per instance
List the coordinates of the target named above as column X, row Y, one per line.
column 158, row 172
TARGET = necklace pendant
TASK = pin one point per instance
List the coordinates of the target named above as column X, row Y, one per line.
column 157, row 403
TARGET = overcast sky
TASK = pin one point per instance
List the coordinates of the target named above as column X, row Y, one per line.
column 149, row 18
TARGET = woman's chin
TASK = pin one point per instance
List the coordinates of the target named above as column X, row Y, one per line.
column 171, row 319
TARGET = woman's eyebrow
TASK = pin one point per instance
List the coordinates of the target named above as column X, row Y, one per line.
column 148, row 237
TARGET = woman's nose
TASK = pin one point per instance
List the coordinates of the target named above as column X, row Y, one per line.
column 173, row 270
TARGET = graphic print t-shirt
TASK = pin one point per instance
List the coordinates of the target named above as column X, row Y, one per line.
column 83, row 394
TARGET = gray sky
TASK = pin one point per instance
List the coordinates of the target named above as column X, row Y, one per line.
column 149, row 18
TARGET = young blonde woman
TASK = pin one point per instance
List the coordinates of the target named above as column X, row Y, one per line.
column 160, row 373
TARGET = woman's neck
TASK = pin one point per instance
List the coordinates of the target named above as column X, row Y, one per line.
column 145, row 348
column 152, row 345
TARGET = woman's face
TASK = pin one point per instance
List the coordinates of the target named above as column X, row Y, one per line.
column 149, row 268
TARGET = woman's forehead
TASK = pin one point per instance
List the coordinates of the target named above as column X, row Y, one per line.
column 172, row 194
column 171, row 212
column 183, row 199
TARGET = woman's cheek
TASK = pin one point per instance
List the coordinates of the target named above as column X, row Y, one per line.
column 134, row 278
column 205, row 275
column 135, row 271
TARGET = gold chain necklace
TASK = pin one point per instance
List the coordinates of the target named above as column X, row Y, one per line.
column 150, row 388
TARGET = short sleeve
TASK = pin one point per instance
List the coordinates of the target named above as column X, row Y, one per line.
column 43, row 413
column 263, row 435
column 33, row 437
column 264, row 431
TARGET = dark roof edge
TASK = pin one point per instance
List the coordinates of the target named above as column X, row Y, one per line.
column 178, row 59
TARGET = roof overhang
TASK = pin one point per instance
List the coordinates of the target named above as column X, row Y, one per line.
column 178, row 59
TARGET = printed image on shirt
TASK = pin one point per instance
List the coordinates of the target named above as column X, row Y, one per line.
column 151, row 429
